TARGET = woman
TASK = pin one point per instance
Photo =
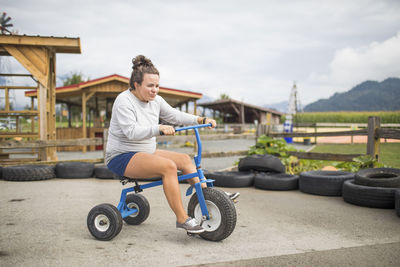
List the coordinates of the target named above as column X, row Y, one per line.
column 131, row 148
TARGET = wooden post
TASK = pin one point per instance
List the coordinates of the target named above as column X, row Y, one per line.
column 51, row 103
column 69, row 107
column 315, row 130
column 84, row 132
column 374, row 124
column 195, row 107
column 42, row 99
column 32, row 117
column 242, row 113
column 7, row 104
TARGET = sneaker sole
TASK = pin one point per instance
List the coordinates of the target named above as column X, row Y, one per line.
column 235, row 196
column 192, row 231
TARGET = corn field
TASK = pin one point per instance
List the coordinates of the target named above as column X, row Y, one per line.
column 346, row 117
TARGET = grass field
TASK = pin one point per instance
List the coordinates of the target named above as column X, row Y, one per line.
column 347, row 117
column 389, row 152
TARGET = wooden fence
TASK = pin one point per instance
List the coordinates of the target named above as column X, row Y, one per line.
column 38, row 145
column 373, row 131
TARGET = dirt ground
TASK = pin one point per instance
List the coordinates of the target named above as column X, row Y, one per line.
column 44, row 224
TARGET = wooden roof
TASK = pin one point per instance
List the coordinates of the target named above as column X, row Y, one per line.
column 58, row 44
column 229, row 105
column 111, row 86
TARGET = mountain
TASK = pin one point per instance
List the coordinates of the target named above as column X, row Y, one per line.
column 367, row 96
column 279, row 106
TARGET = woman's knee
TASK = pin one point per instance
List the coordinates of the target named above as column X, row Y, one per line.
column 169, row 167
column 186, row 160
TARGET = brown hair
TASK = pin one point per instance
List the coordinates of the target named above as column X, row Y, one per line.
column 141, row 65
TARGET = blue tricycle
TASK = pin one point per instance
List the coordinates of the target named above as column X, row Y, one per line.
column 210, row 206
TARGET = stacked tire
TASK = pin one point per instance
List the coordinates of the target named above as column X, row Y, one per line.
column 45, row 172
column 102, row 172
column 28, row 173
column 323, row 183
column 374, row 188
column 74, row 170
column 263, row 171
column 269, row 173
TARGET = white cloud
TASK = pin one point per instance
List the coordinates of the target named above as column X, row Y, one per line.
column 353, row 65
column 251, row 50
column 376, row 61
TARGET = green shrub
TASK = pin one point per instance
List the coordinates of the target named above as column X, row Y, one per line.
column 279, row 148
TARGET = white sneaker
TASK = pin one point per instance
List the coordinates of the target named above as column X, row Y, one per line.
column 191, row 226
column 233, row 196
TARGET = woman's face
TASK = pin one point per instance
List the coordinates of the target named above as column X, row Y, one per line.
column 148, row 90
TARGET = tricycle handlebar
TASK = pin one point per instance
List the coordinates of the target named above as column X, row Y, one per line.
column 193, row 127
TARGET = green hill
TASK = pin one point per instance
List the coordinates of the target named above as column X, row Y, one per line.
column 367, row 96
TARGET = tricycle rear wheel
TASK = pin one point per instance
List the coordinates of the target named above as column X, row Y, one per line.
column 104, row 222
column 222, row 213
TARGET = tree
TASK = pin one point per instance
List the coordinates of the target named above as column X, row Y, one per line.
column 224, row 96
column 74, row 78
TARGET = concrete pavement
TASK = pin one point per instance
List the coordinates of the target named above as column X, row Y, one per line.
column 44, row 224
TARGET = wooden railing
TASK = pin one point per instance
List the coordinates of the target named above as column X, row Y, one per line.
column 38, row 145
column 374, row 133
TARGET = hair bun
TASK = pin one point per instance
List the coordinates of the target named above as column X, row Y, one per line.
column 141, row 60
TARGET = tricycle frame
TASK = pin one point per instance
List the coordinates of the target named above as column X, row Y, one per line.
column 125, row 211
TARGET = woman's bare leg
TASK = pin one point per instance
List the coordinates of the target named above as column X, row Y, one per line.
column 183, row 162
column 144, row 165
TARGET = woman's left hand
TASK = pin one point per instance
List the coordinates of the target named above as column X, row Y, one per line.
column 207, row 121
column 213, row 122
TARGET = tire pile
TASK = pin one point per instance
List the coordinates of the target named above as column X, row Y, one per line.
column 69, row 170
column 374, row 188
column 263, row 171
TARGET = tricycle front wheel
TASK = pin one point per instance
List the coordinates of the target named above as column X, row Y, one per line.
column 222, row 214
column 139, row 202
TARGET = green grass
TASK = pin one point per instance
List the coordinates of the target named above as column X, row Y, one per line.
column 389, row 152
column 347, row 116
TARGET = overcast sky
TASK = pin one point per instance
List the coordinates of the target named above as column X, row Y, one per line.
column 251, row 50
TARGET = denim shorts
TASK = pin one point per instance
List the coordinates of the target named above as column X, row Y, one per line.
column 118, row 163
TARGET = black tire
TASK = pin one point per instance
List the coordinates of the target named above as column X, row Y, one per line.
column 1, row 173
column 232, row 179
column 104, row 222
column 102, row 172
column 263, row 163
column 276, row 181
column 379, row 177
column 324, row 183
column 28, row 173
column 74, row 169
column 222, row 212
column 367, row 196
column 397, row 202
column 140, row 203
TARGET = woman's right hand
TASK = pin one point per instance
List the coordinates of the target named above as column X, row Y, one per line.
column 167, row 130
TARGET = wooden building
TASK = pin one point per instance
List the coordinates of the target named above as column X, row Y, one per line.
column 98, row 95
column 233, row 111
column 37, row 54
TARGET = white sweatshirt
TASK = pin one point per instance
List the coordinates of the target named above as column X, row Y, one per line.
column 134, row 124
